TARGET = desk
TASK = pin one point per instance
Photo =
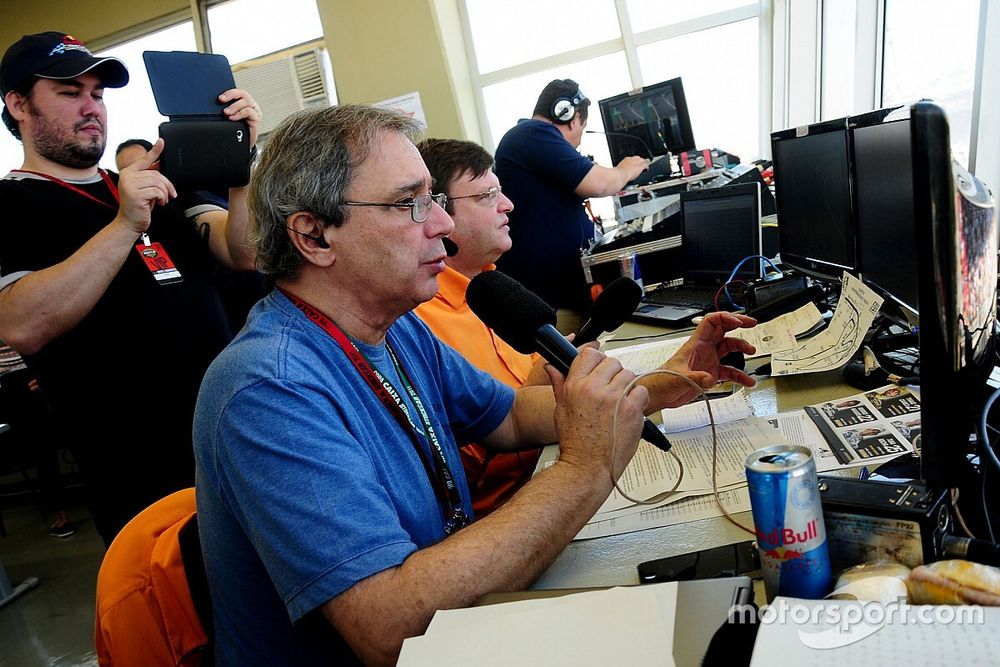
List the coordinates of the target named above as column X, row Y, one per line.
column 611, row 561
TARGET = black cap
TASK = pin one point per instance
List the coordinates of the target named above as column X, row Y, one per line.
column 56, row 55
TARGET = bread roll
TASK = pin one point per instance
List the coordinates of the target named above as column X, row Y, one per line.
column 954, row 582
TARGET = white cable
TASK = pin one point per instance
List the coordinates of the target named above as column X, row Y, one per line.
column 715, row 449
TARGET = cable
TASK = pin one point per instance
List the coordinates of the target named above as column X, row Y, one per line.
column 987, row 457
column 953, row 496
column 659, row 498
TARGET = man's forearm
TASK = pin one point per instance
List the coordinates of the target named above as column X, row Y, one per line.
column 504, row 551
column 47, row 303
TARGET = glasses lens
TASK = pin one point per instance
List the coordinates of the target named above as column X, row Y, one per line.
column 421, row 208
column 492, row 195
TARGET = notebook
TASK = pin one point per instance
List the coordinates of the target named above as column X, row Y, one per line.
column 720, row 228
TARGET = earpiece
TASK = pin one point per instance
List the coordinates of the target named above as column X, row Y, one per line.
column 320, row 241
column 564, row 108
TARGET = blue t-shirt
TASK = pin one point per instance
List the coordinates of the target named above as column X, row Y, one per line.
column 539, row 171
column 306, row 484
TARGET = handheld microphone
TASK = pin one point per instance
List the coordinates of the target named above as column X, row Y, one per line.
column 625, row 134
column 450, row 247
column 526, row 322
column 610, row 310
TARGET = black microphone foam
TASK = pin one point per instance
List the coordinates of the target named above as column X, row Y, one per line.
column 509, row 308
column 610, row 310
column 526, row 322
column 450, row 247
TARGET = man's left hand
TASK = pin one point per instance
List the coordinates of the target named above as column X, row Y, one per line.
column 698, row 359
column 242, row 107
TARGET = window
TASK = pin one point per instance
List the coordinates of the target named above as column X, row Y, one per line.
column 838, row 59
column 712, row 44
column 132, row 110
column 246, row 29
column 723, row 115
column 930, row 52
column 649, row 14
column 519, row 31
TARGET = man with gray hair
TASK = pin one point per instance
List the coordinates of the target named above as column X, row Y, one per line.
column 333, row 508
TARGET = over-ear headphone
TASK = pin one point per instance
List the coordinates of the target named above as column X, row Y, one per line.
column 564, row 108
column 320, row 241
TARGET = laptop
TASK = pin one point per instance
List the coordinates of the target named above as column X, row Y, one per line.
column 720, row 228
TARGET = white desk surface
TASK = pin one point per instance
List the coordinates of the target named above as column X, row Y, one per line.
column 611, row 561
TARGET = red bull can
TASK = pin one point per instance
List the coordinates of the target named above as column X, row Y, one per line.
column 629, row 265
column 788, row 521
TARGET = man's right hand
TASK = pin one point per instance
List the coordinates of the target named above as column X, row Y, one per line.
column 585, row 407
column 141, row 187
column 633, row 166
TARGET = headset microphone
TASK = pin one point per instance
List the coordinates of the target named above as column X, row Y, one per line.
column 525, row 322
column 320, row 241
column 450, row 247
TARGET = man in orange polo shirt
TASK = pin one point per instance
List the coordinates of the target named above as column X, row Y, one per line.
column 463, row 171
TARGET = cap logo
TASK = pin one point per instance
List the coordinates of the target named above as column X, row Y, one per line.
column 69, row 43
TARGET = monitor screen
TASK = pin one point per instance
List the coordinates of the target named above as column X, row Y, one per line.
column 650, row 121
column 721, row 227
column 816, row 226
column 956, row 231
column 883, row 188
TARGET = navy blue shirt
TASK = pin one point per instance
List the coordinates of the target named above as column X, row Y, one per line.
column 539, row 171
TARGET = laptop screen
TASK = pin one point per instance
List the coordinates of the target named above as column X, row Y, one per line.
column 721, row 227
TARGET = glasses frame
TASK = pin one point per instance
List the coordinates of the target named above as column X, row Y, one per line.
column 440, row 199
column 493, row 193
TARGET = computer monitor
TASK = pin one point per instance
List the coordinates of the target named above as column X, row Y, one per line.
column 955, row 216
column 650, row 121
column 883, row 191
column 816, row 225
column 720, row 228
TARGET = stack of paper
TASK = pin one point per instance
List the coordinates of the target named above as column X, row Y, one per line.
column 628, row 626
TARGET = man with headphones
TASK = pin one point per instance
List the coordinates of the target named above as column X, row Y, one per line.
column 548, row 179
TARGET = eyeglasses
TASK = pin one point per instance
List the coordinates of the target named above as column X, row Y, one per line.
column 490, row 196
column 420, row 206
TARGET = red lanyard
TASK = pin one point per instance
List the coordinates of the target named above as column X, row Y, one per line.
column 443, row 482
column 80, row 191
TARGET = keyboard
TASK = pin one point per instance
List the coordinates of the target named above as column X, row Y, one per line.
column 686, row 295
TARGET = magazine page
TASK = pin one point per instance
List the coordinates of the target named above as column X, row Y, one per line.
column 869, row 425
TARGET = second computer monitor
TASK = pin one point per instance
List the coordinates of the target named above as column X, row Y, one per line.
column 721, row 228
column 883, row 186
column 816, row 227
column 650, row 121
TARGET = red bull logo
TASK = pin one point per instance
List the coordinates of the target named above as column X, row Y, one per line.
column 783, row 536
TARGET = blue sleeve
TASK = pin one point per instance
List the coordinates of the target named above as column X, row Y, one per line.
column 552, row 158
column 307, row 493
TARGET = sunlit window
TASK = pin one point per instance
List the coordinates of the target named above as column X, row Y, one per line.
column 245, row 29
column 518, row 31
column 722, row 88
column 930, row 52
column 649, row 14
column 838, row 59
column 132, row 110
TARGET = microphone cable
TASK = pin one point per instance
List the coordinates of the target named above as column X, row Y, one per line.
column 625, row 134
column 658, row 498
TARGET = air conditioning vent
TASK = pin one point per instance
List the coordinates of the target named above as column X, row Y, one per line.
column 285, row 86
